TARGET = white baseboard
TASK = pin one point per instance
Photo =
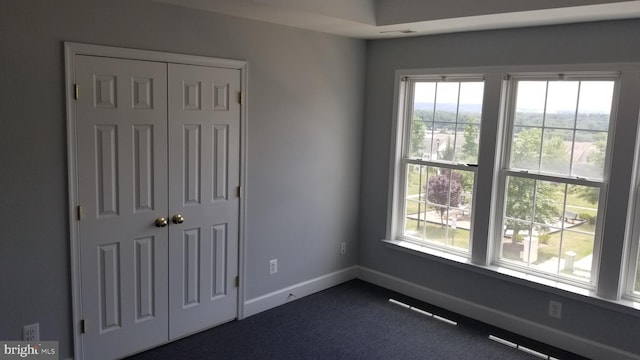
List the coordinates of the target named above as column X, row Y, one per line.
column 524, row 327
column 277, row 298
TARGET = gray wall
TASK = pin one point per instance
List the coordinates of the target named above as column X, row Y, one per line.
column 569, row 44
column 305, row 121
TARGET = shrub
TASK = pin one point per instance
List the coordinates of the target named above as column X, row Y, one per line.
column 544, row 238
column 585, row 216
column 591, row 219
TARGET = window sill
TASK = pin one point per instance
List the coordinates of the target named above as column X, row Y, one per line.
column 588, row 296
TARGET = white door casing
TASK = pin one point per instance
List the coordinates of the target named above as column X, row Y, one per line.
column 135, row 157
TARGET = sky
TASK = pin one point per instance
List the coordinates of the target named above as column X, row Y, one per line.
column 594, row 96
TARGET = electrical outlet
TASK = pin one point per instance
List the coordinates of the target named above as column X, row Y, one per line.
column 273, row 266
column 555, row 309
column 31, row 332
column 343, row 248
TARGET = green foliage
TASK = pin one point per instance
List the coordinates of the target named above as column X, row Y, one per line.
column 418, row 131
column 596, row 157
column 470, row 147
column 522, row 205
column 586, row 216
column 526, row 148
column 595, row 121
column 553, row 149
column 544, row 238
column 590, row 218
column 521, row 202
column 448, row 153
column 589, row 194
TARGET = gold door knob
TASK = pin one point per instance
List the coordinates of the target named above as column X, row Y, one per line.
column 177, row 219
column 161, row 222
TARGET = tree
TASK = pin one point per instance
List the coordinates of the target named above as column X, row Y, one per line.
column 418, row 131
column 521, row 204
column 448, row 152
column 470, row 147
column 469, row 153
column 596, row 158
column 526, row 149
column 528, row 199
column 444, row 189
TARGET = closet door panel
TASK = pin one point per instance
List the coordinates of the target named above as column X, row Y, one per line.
column 121, row 137
column 204, row 148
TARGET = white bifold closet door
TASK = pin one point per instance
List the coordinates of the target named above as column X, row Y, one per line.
column 157, row 176
column 204, row 133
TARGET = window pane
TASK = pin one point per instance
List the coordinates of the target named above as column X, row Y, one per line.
column 589, row 154
column 470, row 108
column 440, row 110
column 560, row 127
column 562, row 101
column 594, row 108
column 447, row 101
column 530, row 102
column 556, row 152
column 467, row 144
column 415, row 205
column 417, row 146
column 439, row 141
column 438, row 206
column 526, row 147
column 519, row 201
column 550, row 227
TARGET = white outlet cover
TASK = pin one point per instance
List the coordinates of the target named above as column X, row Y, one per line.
column 31, row 332
column 273, row 266
column 555, row 309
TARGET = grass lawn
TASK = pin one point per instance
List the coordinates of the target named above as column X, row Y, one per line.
column 574, row 202
column 439, row 234
column 580, row 243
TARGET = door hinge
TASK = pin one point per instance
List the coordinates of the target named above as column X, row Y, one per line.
column 237, row 281
column 79, row 212
column 240, row 191
column 76, row 91
column 82, row 327
column 240, row 98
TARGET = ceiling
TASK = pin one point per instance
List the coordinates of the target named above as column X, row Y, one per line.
column 374, row 19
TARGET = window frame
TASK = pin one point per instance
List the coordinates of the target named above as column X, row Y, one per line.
column 404, row 117
column 506, row 171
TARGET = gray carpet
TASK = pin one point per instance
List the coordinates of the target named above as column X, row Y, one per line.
column 354, row 320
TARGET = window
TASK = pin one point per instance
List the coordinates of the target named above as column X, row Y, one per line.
column 554, row 174
column 516, row 171
column 441, row 127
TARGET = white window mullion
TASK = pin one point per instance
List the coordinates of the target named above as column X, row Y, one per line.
column 482, row 222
